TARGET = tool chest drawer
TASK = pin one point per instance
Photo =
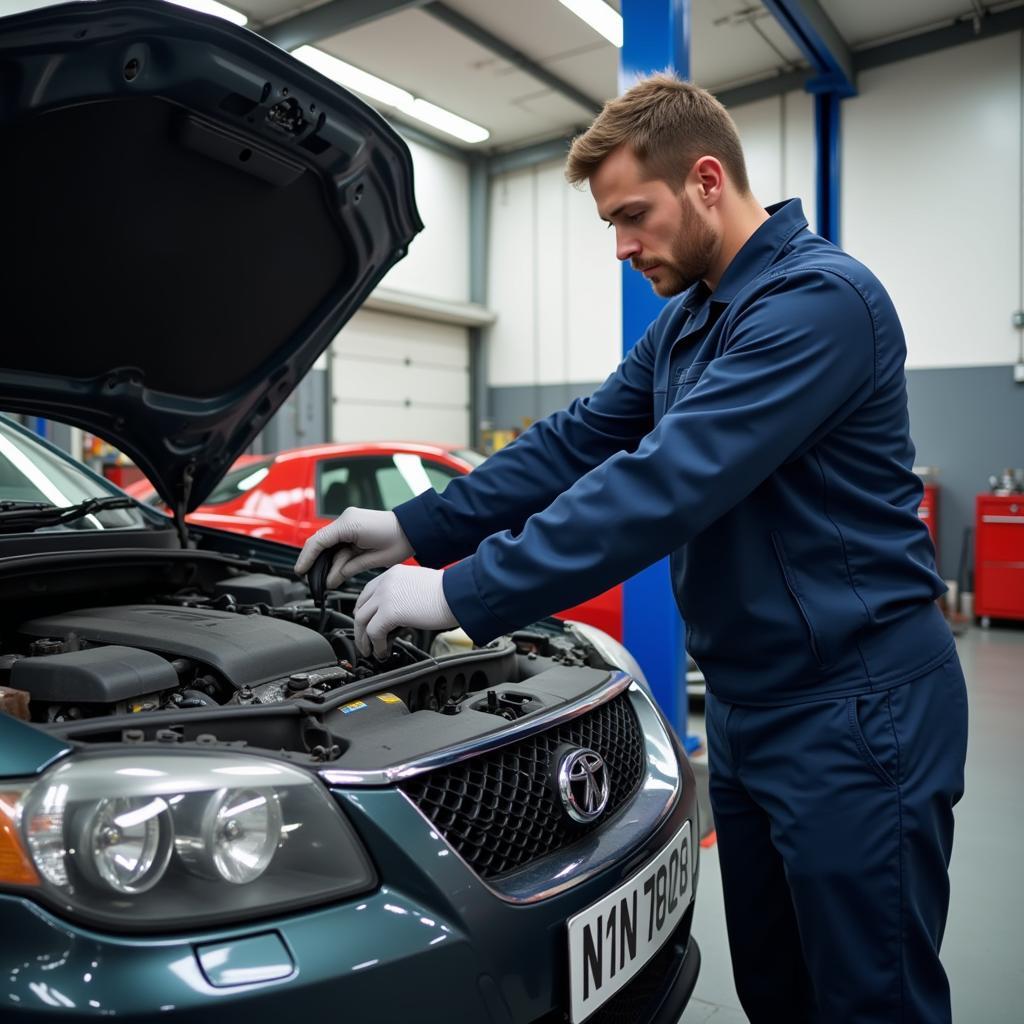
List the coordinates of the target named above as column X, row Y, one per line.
column 999, row 556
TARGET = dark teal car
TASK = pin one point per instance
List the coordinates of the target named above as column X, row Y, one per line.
column 209, row 803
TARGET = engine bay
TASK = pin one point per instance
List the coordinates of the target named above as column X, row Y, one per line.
column 245, row 658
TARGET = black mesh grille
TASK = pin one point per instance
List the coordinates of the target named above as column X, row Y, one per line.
column 500, row 811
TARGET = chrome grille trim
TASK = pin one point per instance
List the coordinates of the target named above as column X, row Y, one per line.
column 630, row 827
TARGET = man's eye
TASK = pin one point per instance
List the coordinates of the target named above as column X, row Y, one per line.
column 635, row 218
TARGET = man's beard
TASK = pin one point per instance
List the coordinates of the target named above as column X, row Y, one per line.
column 691, row 253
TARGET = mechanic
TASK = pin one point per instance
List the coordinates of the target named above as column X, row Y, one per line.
column 758, row 432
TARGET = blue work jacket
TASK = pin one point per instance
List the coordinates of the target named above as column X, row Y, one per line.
column 757, row 433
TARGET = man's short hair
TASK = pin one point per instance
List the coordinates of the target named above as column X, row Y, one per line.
column 668, row 124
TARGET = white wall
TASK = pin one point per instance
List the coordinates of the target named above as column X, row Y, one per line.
column 931, row 202
column 553, row 282
column 438, row 260
column 778, row 143
column 932, row 197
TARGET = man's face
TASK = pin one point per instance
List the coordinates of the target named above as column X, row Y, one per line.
column 660, row 231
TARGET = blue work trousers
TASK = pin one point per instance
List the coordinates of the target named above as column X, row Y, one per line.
column 835, row 828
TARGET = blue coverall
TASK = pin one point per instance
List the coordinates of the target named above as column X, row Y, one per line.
column 759, row 434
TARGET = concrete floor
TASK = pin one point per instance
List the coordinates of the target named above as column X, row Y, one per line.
column 984, row 946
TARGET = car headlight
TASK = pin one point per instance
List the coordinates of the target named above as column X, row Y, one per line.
column 124, row 844
column 612, row 651
column 156, row 841
column 233, row 836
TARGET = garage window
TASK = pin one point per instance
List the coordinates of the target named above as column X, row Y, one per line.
column 377, row 482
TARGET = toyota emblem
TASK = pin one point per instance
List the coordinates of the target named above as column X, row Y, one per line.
column 583, row 784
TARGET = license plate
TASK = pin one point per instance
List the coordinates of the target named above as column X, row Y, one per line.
column 610, row 941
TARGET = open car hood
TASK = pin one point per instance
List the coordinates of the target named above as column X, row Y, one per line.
column 192, row 214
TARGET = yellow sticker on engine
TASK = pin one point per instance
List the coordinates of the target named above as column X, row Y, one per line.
column 389, row 698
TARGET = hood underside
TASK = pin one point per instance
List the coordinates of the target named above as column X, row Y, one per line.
column 195, row 214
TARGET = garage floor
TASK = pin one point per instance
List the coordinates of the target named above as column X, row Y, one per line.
column 985, row 935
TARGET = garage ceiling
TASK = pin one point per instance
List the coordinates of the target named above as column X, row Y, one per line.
column 870, row 21
column 734, row 42
column 432, row 60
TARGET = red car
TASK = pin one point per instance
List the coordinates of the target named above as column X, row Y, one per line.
column 286, row 496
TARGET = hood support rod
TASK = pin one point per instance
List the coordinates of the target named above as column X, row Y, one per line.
column 182, row 504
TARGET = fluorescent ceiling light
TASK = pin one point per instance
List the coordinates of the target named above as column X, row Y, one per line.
column 353, row 78
column 430, row 113
column 391, row 95
column 599, row 16
column 213, row 7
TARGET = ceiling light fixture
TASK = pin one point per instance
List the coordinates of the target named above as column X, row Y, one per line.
column 599, row 16
column 430, row 113
column 353, row 78
column 213, row 7
column 391, row 95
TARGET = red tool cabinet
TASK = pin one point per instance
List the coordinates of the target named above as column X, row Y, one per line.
column 999, row 556
column 928, row 512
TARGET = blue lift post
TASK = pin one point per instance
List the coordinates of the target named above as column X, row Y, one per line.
column 835, row 79
column 656, row 36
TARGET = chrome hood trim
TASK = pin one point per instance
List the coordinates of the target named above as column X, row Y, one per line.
column 492, row 741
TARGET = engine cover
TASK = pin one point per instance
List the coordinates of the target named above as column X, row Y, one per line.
column 246, row 649
column 101, row 675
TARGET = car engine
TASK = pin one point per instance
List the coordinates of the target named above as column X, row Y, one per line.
column 248, row 660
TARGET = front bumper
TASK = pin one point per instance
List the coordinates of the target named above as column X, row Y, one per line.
column 668, row 1007
column 659, row 993
column 434, row 943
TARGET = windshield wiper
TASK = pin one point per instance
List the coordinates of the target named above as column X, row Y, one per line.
column 17, row 516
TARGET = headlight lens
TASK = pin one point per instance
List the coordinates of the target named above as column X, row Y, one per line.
column 125, row 843
column 159, row 841
column 236, row 836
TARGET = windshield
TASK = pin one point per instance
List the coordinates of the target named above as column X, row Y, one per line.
column 30, row 472
column 239, row 480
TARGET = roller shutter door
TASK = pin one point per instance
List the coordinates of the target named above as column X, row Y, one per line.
column 399, row 378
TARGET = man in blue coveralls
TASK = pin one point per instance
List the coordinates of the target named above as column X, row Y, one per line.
column 758, row 433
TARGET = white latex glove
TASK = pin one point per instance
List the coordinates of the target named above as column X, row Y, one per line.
column 365, row 539
column 406, row 595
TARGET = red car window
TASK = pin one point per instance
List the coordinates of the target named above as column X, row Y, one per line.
column 377, row 481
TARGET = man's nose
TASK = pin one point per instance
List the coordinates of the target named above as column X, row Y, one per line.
column 626, row 247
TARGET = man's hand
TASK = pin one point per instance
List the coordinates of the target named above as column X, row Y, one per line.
column 365, row 540
column 407, row 595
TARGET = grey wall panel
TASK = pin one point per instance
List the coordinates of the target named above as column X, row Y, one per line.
column 967, row 421
column 303, row 418
column 518, row 406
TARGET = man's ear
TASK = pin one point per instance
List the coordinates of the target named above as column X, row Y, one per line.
column 709, row 176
